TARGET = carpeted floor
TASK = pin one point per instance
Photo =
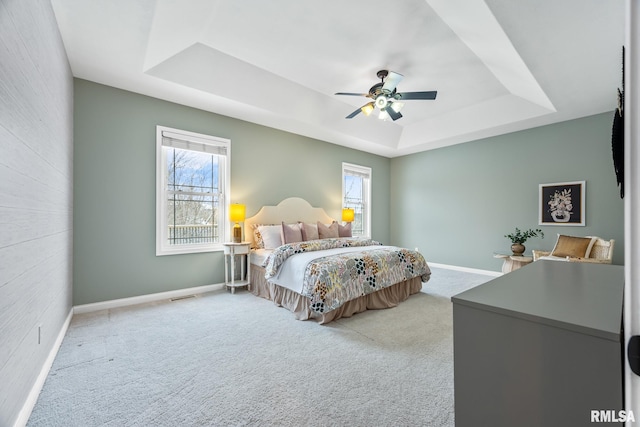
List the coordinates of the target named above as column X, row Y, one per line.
column 238, row 360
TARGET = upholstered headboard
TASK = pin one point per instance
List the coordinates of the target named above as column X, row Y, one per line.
column 289, row 210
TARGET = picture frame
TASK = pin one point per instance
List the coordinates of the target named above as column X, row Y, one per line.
column 562, row 203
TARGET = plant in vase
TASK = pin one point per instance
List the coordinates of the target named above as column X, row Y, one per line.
column 519, row 237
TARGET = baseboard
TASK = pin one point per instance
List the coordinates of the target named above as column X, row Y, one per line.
column 466, row 269
column 124, row 302
column 32, row 398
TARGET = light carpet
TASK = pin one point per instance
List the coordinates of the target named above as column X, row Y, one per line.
column 238, row 360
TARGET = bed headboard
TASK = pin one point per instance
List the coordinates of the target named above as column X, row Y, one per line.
column 289, row 210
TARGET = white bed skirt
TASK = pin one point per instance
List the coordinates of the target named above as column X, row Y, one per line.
column 299, row 305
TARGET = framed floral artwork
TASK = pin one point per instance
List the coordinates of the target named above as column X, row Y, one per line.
column 562, row 203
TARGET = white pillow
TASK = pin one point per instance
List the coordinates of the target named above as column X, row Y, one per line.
column 271, row 235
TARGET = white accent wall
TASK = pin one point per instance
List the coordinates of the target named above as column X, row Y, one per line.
column 36, row 198
column 632, row 200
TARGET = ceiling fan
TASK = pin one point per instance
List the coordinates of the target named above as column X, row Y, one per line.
column 386, row 97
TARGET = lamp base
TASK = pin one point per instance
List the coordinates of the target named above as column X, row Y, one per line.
column 237, row 233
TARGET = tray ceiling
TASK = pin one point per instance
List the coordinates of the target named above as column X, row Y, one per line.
column 499, row 66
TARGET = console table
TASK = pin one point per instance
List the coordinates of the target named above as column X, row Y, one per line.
column 513, row 262
column 540, row 346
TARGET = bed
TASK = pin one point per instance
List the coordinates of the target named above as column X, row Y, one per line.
column 323, row 276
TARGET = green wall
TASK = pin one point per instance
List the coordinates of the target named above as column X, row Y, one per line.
column 457, row 203
column 114, row 188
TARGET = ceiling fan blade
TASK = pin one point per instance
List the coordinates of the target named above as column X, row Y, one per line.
column 391, row 82
column 417, row 95
column 395, row 115
column 355, row 113
column 351, row 94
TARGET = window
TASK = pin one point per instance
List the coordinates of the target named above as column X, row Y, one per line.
column 192, row 184
column 356, row 194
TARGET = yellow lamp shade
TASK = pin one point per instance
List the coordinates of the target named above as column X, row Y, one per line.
column 348, row 214
column 367, row 108
column 236, row 212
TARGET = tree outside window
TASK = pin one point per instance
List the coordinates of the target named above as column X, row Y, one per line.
column 192, row 186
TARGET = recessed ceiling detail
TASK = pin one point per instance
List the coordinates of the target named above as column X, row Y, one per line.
column 498, row 66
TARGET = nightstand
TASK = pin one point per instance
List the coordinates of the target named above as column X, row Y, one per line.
column 230, row 252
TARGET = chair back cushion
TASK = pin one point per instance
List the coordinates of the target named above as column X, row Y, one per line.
column 573, row 247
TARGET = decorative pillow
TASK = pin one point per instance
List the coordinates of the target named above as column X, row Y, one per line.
column 291, row 233
column 309, row 231
column 326, row 232
column 257, row 237
column 271, row 236
column 573, row 247
column 344, row 230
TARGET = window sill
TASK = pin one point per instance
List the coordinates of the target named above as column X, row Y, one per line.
column 189, row 250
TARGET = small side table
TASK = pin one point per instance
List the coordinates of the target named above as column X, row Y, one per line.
column 230, row 252
column 513, row 262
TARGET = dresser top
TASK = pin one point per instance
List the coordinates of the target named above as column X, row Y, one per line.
column 582, row 297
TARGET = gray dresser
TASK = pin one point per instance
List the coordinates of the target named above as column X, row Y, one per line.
column 541, row 346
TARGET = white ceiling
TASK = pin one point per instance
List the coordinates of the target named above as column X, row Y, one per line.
column 498, row 65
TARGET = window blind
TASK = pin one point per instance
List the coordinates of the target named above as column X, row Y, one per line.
column 189, row 142
column 360, row 173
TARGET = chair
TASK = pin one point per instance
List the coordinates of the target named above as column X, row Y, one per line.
column 601, row 253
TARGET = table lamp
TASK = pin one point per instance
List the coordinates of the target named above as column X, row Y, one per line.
column 348, row 214
column 236, row 214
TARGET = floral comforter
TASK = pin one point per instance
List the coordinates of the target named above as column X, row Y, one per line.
column 330, row 281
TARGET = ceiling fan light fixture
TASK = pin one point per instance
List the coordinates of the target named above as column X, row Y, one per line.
column 367, row 108
column 397, row 106
column 384, row 115
column 381, row 102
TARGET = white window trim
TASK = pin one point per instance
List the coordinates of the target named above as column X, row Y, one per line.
column 362, row 170
column 162, row 245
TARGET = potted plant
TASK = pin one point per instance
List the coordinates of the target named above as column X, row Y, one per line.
column 519, row 237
